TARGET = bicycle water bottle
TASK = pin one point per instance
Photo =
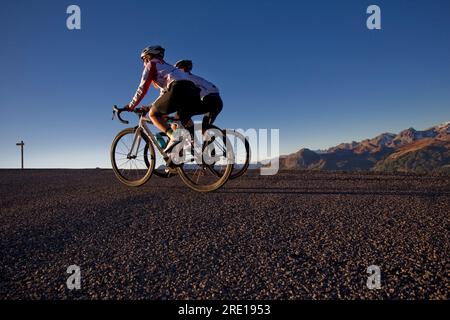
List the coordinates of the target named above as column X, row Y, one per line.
column 160, row 140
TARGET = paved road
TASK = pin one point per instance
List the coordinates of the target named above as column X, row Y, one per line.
column 290, row 236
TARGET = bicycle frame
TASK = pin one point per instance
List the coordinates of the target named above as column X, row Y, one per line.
column 142, row 127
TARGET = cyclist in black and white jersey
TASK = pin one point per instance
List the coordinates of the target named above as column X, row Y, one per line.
column 211, row 104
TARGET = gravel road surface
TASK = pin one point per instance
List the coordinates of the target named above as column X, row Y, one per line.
column 295, row 235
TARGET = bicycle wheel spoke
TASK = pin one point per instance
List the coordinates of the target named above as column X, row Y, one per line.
column 128, row 149
column 199, row 174
column 137, row 170
column 124, row 163
column 142, row 149
column 122, row 170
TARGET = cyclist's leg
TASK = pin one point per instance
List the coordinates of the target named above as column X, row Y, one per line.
column 216, row 109
column 189, row 106
column 184, row 98
column 213, row 106
column 158, row 119
column 185, row 117
column 161, row 107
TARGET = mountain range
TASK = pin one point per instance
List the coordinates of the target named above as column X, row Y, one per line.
column 408, row 151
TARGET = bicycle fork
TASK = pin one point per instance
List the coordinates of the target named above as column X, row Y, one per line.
column 134, row 149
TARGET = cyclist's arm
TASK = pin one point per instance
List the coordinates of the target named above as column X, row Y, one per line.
column 148, row 75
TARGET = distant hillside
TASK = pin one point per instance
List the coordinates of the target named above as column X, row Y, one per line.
column 408, row 151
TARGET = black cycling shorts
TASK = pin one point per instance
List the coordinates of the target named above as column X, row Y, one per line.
column 181, row 96
column 212, row 104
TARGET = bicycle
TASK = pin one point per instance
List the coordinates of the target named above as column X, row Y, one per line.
column 242, row 154
column 134, row 168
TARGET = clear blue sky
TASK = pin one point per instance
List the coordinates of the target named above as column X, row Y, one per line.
column 310, row 68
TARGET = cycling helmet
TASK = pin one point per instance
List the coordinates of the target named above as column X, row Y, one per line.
column 184, row 64
column 153, row 50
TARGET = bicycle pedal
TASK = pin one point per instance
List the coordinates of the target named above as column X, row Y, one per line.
column 169, row 164
column 170, row 170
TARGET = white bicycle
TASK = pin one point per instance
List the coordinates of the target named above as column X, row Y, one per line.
column 133, row 155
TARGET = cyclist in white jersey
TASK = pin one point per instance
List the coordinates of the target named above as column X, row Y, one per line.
column 177, row 92
column 211, row 104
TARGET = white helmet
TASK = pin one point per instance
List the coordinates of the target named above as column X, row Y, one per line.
column 153, row 50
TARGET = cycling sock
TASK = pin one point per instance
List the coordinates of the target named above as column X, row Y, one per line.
column 169, row 133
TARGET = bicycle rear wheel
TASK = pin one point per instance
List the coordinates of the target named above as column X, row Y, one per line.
column 241, row 149
column 127, row 157
column 207, row 158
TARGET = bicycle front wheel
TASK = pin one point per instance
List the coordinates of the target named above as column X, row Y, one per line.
column 128, row 155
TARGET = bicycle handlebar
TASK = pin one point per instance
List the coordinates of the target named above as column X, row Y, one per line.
column 139, row 111
column 117, row 111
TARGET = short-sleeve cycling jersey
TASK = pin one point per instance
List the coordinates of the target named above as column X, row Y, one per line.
column 205, row 87
column 161, row 74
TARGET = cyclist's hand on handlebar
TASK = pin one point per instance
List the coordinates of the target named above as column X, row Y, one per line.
column 127, row 108
column 145, row 109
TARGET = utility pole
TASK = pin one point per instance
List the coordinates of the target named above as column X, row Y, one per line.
column 21, row 144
